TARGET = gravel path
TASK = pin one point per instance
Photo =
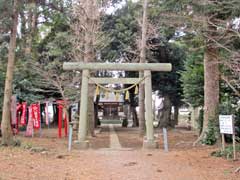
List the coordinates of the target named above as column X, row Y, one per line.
column 114, row 141
column 114, row 162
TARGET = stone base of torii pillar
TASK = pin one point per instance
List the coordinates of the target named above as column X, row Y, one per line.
column 150, row 144
column 81, row 144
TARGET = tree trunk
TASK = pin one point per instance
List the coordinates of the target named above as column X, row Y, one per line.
column 23, row 29
column 165, row 118
column 7, row 136
column 132, row 108
column 141, row 104
column 89, row 56
column 128, row 115
column 142, row 60
column 32, row 24
column 91, row 90
column 175, row 116
column 96, row 119
column 134, row 116
column 211, row 90
column 91, row 113
column 211, row 87
column 211, row 79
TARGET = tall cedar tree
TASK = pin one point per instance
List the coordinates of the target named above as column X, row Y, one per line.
column 7, row 136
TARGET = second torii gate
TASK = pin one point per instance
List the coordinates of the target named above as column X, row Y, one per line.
column 149, row 141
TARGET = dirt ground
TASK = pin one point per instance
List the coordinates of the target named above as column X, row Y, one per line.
column 46, row 157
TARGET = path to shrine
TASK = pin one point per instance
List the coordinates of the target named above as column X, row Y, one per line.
column 115, row 154
column 114, row 141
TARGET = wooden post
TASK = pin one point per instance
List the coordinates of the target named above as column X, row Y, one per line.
column 223, row 142
column 82, row 130
column 149, row 141
column 233, row 139
column 234, row 146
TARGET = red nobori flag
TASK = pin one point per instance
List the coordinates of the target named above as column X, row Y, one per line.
column 23, row 116
column 36, row 115
column 29, row 131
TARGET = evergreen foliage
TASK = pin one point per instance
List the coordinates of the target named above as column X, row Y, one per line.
column 193, row 79
column 169, row 83
column 50, row 42
column 211, row 134
column 123, row 29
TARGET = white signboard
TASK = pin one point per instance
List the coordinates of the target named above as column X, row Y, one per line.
column 226, row 124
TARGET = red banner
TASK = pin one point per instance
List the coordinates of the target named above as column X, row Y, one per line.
column 23, row 116
column 29, row 131
column 36, row 115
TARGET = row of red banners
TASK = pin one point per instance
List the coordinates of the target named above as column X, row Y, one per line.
column 34, row 116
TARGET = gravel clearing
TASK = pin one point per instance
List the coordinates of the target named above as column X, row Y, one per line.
column 47, row 158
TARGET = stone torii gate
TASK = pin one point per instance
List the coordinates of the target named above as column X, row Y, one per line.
column 149, row 141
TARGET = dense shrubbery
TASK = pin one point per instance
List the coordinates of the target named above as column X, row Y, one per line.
column 227, row 153
column 211, row 134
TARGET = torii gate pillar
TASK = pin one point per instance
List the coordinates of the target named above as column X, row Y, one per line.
column 149, row 142
column 82, row 130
